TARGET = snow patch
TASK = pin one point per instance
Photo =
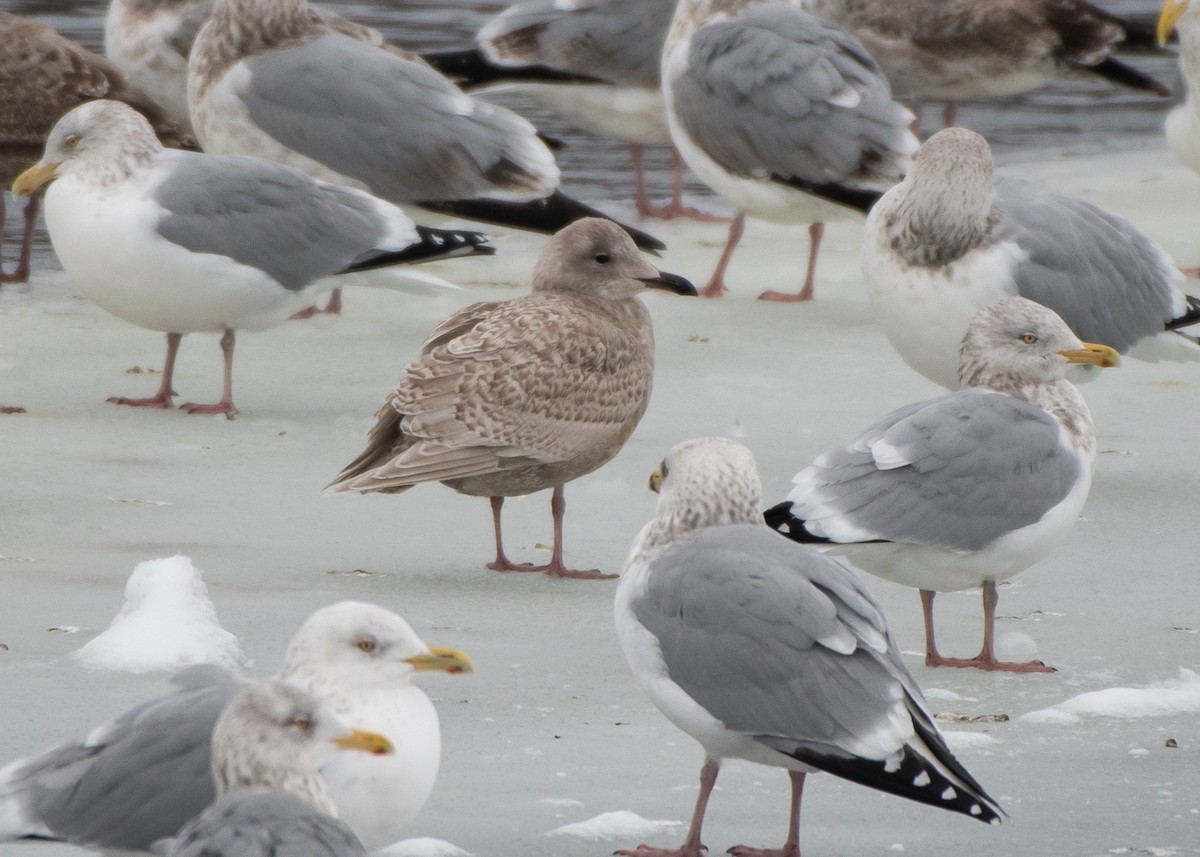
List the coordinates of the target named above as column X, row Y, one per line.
column 1171, row 696
column 622, row 824
column 166, row 623
column 423, row 846
column 969, row 740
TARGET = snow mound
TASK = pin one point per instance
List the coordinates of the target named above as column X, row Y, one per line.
column 969, row 740
column 1171, row 696
column 166, row 623
column 607, row 826
column 423, row 846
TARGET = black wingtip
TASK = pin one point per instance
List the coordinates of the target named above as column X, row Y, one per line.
column 435, row 244
column 471, row 68
column 1125, row 75
column 858, row 198
column 547, row 215
column 1190, row 317
column 781, row 519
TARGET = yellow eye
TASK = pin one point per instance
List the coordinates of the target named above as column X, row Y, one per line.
column 302, row 722
column 72, row 141
column 366, row 644
column 1028, row 338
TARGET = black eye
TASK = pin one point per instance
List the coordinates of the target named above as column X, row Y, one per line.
column 302, row 722
column 603, row 258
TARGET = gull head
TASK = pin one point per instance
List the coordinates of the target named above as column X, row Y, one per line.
column 596, row 258
column 275, row 735
column 1015, row 343
column 1169, row 17
column 705, row 482
column 101, row 141
column 357, row 645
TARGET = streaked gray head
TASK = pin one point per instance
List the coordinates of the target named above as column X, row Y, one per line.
column 595, row 257
column 356, row 645
column 706, row 482
column 104, row 140
column 274, row 735
column 946, row 202
column 1015, row 343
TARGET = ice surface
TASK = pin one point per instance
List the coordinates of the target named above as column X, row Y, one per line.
column 619, row 825
column 166, row 623
column 1180, row 695
column 424, row 846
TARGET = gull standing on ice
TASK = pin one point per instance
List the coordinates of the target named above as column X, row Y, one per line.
column 955, row 50
column 596, row 63
column 267, row 748
column 182, row 242
column 1183, row 122
column 769, row 652
column 950, row 239
column 270, row 78
column 143, row 775
column 42, row 76
column 970, row 488
column 782, row 114
column 517, row 396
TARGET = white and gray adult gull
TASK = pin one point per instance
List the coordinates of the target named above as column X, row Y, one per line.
column 268, row 747
column 950, row 239
column 969, row 488
column 270, row 78
column 768, row 651
column 784, row 115
column 142, row 776
column 511, row 397
column 595, row 63
column 1183, row 122
column 182, row 242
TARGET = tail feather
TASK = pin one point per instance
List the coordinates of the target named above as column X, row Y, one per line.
column 435, row 244
column 471, row 68
column 1125, row 75
column 1190, row 317
column 547, row 215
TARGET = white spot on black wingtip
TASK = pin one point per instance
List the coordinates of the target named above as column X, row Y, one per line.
column 949, row 793
column 922, row 779
column 976, row 809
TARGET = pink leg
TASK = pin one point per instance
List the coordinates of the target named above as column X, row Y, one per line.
column 334, row 305
column 641, row 199
column 986, row 659
column 21, row 273
column 949, row 114
column 692, row 846
column 675, row 209
column 716, row 285
column 225, row 406
column 161, row 399
column 1190, row 272
column 502, row 562
column 791, row 848
column 815, row 232
column 558, row 508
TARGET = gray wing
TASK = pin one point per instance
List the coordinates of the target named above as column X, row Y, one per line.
column 616, row 41
column 267, row 216
column 777, row 641
column 264, row 824
column 1105, row 277
column 778, row 91
column 396, row 125
column 135, row 780
column 958, row 472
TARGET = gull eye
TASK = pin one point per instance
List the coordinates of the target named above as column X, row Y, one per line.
column 302, row 722
column 1028, row 338
column 366, row 644
column 72, row 141
column 603, row 258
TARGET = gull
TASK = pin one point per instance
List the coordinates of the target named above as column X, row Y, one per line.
column 142, row 776
column 182, row 242
column 595, row 63
column 970, row 488
column 784, row 115
column 42, row 76
column 950, row 239
column 517, row 396
column 268, row 746
column 1183, row 122
column 955, row 50
column 268, row 78
column 768, row 651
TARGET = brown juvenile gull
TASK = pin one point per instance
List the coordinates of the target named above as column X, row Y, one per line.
column 42, row 76
column 143, row 775
column 268, row 78
column 268, row 747
column 969, row 488
column 183, row 242
column 595, row 63
column 521, row 395
column 768, row 651
column 954, row 50
column 950, row 239
column 784, row 115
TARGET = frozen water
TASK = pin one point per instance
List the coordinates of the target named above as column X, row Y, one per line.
column 1180, row 695
column 619, row 825
column 423, row 847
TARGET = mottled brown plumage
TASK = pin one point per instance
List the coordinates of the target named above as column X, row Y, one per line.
column 517, row 396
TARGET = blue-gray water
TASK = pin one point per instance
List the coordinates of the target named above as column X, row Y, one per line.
column 1069, row 116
